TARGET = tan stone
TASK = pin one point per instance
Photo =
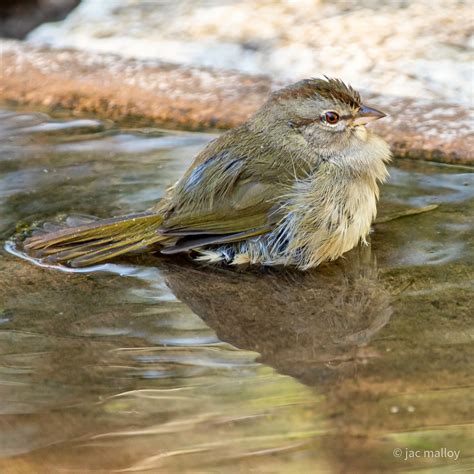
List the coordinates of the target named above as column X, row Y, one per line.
column 161, row 94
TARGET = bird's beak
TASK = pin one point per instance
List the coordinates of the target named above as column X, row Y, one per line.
column 366, row 115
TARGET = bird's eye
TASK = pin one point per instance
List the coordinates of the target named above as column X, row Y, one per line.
column 331, row 118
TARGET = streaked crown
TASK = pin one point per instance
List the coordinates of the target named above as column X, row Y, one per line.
column 327, row 88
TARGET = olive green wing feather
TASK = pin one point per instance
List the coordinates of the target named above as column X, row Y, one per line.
column 244, row 209
column 230, row 193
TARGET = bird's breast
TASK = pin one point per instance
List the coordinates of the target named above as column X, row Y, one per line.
column 329, row 216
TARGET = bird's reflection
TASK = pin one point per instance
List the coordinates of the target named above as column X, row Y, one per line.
column 309, row 325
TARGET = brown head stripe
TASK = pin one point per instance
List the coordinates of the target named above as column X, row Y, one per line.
column 327, row 88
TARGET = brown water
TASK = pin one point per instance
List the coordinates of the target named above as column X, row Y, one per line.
column 158, row 365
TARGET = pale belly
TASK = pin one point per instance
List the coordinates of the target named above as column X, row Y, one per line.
column 335, row 224
column 317, row 228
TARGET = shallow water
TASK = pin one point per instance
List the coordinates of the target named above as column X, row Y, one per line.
column 160, row 365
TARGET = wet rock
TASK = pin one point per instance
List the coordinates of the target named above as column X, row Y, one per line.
column 153, row 92
column 419, row 48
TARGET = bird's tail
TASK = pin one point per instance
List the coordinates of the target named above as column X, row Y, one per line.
column 97, row 241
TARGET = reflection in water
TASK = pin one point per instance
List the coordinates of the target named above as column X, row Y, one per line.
column 167, row 366
column 308, row 325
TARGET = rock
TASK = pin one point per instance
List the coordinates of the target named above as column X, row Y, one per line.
column 419, row 48
column 161, row 94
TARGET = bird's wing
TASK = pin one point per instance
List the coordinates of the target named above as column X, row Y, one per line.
column 219, row 201
column 231, row 192
column 246, row 210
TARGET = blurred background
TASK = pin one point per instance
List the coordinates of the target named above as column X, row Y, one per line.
column 420, row 48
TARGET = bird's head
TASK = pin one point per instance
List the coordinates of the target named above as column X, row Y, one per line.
column 329, row 114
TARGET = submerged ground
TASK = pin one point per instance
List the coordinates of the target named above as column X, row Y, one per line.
column 163, row 365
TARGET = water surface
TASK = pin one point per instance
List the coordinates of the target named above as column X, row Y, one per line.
column 159, row 365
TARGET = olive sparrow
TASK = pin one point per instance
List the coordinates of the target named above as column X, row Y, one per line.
column 297, row 184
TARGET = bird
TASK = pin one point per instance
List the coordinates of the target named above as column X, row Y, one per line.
column 296, row 185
